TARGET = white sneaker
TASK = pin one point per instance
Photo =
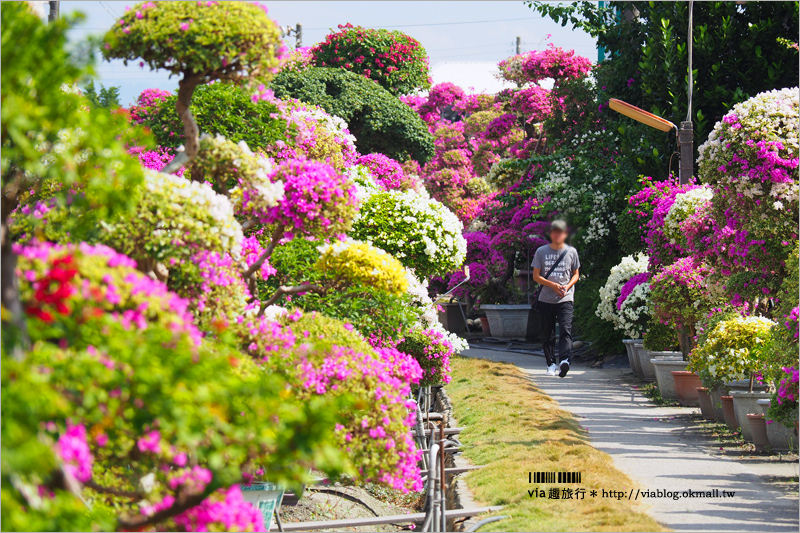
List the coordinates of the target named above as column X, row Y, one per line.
column 564, row 367
column 551, row 370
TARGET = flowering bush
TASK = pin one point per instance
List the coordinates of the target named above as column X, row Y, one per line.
column 392, row 59
column 681, row 294
column 380, row 122
column 146, row 103
column 624, row 297
column 214, row 40
column 632, row 226
column 420, row 232
column 71, row 282
column 299, row 60
column 219, row 109
column 664, row 242
column 360, row 262
column 735, row 349
column 317, row 200
column 783, row 405
column 751, row 162
column 432, row 350
column 314, row 134
column 584, row 189
column 176, row 217
column 537, row 65
column 388, row 173
column 376, row 431
column 684, row 206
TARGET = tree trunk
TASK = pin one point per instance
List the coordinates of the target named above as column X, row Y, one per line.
column 191, row 133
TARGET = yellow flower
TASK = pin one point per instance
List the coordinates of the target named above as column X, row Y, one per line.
column 360, row 262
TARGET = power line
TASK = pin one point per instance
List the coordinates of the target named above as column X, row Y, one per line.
column 440, row 23
column 467, row 47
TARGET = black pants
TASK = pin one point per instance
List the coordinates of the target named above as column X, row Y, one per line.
column 549, row 314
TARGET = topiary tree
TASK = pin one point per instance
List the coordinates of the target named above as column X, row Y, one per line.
column 378, row 119
column 421, row 232
column 218, row 109
column 202, row 42
column 392, row 59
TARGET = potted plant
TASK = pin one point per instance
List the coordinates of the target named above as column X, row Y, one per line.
column 681, row 297
column 507, row 310
column 738, row 348
column 660, row 342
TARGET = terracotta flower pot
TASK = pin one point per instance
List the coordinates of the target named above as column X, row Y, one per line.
column 686, row 384
column 730, row 414
column 485, row 326
column 706, row 407
column 758, row 428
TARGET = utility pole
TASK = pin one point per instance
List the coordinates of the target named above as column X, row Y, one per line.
column 686, row 131
column 298, row 35
column 53, row 16
column 519, row 45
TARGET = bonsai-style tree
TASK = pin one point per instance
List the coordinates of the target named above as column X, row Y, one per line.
column 378, row 119
column 202, row 42
column 392, row 59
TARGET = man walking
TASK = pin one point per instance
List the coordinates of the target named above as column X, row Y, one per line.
column 555, row 268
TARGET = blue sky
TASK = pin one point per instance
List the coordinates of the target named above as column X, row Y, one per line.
column 437, row 25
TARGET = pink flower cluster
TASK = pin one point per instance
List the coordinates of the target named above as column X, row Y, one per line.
column 315, row 196
column 224, row 510
column 154, row 159
column 73, row 449
column 679, row 291
column 631, row 284
column 533, row 103
column 537, row 65
column 387, row 172
column 251, row 251
column 146, row 103
column 788, row 388
column 122, row 291
column 659, row 248
column 383, row 432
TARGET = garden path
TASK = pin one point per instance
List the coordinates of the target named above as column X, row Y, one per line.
column 659, row 451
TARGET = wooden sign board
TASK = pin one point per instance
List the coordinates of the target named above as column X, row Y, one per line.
column 266, row 497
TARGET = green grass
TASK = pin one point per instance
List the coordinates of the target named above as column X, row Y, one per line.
column 514, row 428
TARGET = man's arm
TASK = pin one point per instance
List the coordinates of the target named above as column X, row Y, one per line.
column 572, row 281
column 537, row 277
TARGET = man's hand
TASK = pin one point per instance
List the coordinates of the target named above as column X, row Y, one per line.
column 561, row 290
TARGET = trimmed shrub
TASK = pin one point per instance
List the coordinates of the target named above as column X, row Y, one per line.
column 378, row 119
column 392, row 59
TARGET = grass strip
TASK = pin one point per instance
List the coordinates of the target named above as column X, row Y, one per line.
column 513, row 428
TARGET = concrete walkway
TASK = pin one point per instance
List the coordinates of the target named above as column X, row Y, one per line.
column 662, row 452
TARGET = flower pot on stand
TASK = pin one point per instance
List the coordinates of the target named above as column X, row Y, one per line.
column 451, row 317
column 648, row 371
column 730, row 414
column 666, row 383
column 508, row 321
column 630, row 351
column 716, row 393
column 780, row 437
column 686, row 384
column 630, row 346
column 744, row 403
column 758, row 429
column 706, row 407
column 485, row 326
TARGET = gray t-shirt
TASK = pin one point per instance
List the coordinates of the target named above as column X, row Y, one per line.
column 544, row 259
